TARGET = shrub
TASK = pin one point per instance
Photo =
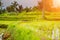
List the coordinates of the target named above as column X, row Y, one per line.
column 3, row 26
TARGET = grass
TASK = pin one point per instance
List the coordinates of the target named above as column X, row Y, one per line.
column 19, row 16
column 35, row 29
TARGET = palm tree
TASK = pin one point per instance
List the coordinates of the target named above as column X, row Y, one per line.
column 42, row 7
column 14, row 4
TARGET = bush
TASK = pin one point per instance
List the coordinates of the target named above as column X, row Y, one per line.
column 3, row 26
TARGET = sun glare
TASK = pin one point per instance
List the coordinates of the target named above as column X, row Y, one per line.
column 56, row 3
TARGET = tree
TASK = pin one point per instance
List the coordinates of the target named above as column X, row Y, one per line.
column 27, row 9
column 0, row 7
column 0, row 3
column 34, row 8
column 14, row 4
column 12, row 7
column 41, row 6
column 20, row 8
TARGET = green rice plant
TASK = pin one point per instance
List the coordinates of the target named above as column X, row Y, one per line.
column 22, row 33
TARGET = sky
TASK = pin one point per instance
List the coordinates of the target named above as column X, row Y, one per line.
column 29, row 3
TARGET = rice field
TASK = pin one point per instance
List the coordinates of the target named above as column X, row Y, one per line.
column 34, row 28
